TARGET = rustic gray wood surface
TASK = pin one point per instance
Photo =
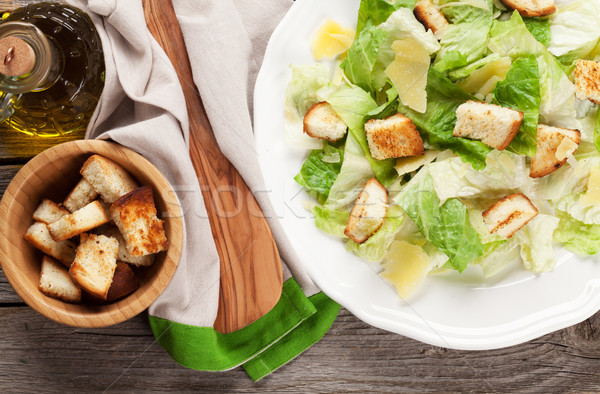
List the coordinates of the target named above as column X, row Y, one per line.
column 39, row 355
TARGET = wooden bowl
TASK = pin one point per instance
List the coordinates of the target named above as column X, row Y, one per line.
column 52, row 174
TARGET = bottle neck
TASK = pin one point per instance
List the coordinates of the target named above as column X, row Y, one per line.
column 47, row 65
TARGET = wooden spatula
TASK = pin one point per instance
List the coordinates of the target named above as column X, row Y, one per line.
column 251, row 279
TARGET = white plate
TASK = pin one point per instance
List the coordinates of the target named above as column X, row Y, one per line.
column 452, row 310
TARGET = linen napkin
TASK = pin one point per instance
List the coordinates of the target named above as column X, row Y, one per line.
column 143, row 108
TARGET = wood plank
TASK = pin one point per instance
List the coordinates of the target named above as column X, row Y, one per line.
column 351, row 357
column 7, row 295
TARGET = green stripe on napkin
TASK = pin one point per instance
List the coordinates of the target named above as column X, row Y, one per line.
column 203, row 348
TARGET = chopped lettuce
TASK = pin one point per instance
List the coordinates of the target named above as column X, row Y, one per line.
column 575, row 30
column 301, row 94
column 438, row 121
column 331, row 221
column 447, row 226
column 502, row 257
column 376, row 11
column 571, row 204
column 361, row 57
column 540, row 29
column 460, row 11
column 375, row 248
column 317, row 175
column 520, row 90
column 535, row 240
column 576, row 236
column 353, row 104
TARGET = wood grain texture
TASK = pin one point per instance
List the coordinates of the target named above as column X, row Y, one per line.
column 352, row 357
column 250, row 266
column 52, row 174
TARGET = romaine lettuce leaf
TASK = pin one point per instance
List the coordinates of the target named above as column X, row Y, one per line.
column 316, row 175
column 503, row 256
column 503, row 173
column 540, row 29
column 446, row 226
column 377, row 11
column 331, row 221
column 355, row 172
column 575, row 30
column 352, row 104
column 535, row 240
column 565, row 181
column 375, row 248
column 520, row 90
column 587, row 214
column 466, row 11
column 464, row 43
column 300, row 95
column 361, row 57
column 576, row 236
column 437, row 123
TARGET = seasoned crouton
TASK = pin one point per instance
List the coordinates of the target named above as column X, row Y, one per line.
column 124, row 255
column 587, row 80
column 87, row 218
column 428, row 14
column 39, row 236
column 108, row 179
column 368, row 212
column 322, row 122
column 95, row 263
column 55, row 282
column 509, row 215
column 395, row 136
column 82, row 194
column 532, row 8
column 49, row 212
column 135, row 216
column 493, row 125
column 124, row 282
column 554, row 145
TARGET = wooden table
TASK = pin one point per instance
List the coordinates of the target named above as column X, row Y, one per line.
column 37, row 354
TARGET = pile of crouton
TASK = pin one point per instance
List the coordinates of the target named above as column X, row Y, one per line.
column 103, row 232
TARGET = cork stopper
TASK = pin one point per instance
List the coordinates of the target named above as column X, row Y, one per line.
column 16, row 57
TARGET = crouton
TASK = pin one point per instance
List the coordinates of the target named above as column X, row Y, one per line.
column 108, row 179
column 322, row 122
column 428, row 14
column 49, row 212
column 554, row 145
column 368, row 212
column 587, row 80
column 493, row 125
column 95, row 263
column 124, row 282
column 82, row 194
column 39, row 236
column 531, row 8
column 135, row 216
column 395, row 136
column 509, row 215
column 123, row 254
column 87, row 218
column 55, row 282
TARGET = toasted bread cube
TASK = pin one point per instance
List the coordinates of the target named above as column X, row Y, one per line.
column 87, row 218
column 509, row 215
column 124, row 255
column 368, row 212
column 82, row 194
column 532, row 8
column 493, row 125
column 395, row 136
column 39, row 236
column 432, row 18
column 135, row 216
column 108, row 179
column 587, row 80
column 49, row 212
column 322, row 122
column 95, row 264
column 554, row 145
column 55, row 282
column 124, row 282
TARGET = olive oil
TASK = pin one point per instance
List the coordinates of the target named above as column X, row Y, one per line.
column 74, row 72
